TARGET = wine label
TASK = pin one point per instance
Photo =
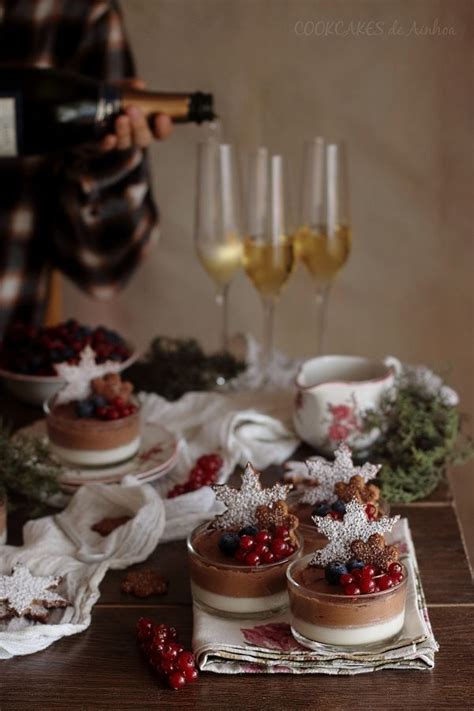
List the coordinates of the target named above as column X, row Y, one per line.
column 8, row 137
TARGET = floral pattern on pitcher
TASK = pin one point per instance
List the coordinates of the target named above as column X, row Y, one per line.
column 344, row 421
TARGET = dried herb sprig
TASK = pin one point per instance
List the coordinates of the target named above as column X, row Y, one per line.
column 27, row 469
column 421, row 434
column 174, row 366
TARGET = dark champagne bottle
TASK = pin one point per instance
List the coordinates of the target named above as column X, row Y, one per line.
column 45, row 110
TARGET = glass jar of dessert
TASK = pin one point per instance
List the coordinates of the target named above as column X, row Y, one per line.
column 99, row 429
column 241, row 573
column 343, row 616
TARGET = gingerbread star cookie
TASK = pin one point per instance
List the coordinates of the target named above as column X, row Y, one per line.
column 375, row 551
column 144, row 583
column 277, row 514
column 356, row 488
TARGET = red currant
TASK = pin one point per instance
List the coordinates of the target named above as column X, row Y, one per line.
column 144, row 628
column 281, row 532
column 396, row 579
column 177, row 680
column 166, row 666
column 352, row 589
column 395, row 569
column 185, row 661
column 268, row 557
column 385, row 582
column 169, row 652
column 112, row 414
column 279, row 547
column 263, row 537
column 368, row 571
column 247, row 543
column 252, row 558
column 367, row 586
column 191, row 674
column 345, row 579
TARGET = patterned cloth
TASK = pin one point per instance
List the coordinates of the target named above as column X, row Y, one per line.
column 89, row 215
column 267, row 646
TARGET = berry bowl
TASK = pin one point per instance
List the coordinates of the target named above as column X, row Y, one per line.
column 324, row 613
column 243, row 586
column 28, row 356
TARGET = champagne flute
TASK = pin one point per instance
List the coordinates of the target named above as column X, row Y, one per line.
column 268, row 249
column 217, row 230
column 323, row 240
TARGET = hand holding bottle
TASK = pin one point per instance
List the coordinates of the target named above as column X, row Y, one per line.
column 132, row 129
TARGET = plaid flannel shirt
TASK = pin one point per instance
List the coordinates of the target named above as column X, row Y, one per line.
column 91, row 216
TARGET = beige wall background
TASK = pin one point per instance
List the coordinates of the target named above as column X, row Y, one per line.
column 403, row 102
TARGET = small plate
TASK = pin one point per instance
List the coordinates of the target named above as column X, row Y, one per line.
column 155, row 458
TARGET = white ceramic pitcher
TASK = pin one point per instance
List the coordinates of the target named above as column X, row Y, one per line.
column 332, row 394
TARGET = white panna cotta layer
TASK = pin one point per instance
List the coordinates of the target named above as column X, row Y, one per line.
column 239, row 605
column 96, row 457
column 349, row 636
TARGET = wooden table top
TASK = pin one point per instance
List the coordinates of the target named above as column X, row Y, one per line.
column 102, row 668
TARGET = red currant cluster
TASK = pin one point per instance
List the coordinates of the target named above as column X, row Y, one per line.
column 116, row 409
column 172, row 662
column 204, row 473
column 34, row 351
column 253, row 547
column 366, row 580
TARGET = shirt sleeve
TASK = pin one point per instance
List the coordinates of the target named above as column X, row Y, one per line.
column 105, row 211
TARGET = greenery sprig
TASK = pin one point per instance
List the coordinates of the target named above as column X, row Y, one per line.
column 421, row 434
column 174, row 366
column 27, row 469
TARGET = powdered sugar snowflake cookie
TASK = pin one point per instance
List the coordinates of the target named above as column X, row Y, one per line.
column 25, row 595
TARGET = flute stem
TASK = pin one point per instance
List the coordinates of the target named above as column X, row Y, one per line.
column 322, row 294
column 222, row 300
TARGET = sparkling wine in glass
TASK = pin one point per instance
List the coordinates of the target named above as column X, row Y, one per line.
column 268, row 248
column 217, row 229
column 323, row 239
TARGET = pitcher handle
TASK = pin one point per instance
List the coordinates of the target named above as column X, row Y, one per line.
column 394, row 363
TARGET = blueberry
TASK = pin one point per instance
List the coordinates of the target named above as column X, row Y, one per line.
column 333, row 572
column 115, row 356
column 248, row 531
column 68, row 353
column 85, row 408
column 353, row 564
column 98, row 400
column 55, row 356
column 321, row 510
column 339, row 506
column 228, row 543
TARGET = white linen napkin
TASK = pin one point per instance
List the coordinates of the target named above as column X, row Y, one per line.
column 239, row 646
column 65, row 545
column 241, row 426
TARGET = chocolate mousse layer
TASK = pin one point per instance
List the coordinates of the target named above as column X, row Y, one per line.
column 319, row 603
column 218, row 573
column 67, row 430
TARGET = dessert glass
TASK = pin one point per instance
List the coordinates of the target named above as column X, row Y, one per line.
column 313, row 539
column 236, row 590
column 335, row 619
column 90, row 442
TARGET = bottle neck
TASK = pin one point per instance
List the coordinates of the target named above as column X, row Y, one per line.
column 181, row 107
